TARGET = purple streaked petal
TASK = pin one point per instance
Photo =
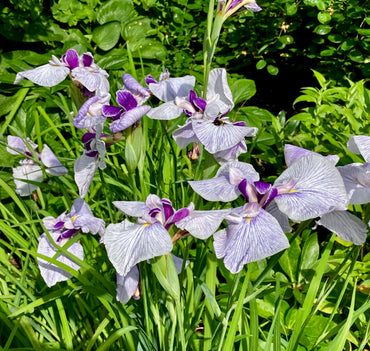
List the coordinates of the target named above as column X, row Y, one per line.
column 126, row 100
column 150, row 79
column 166, row 111
column 246, row 170
column 242, row 187
column 262, row 187
column 128, row 244
column 54, row 167
column 46, row 75
column 218, row 90
column 293, row 153
column 167, row 209
column 215, row 189
column 202, row 224
column 360, row 144
column 279, row 216
column 250, row 240
column 92, row 81
column 200, row 103
column 27, row 171
column 166, row 90
column 87, row 59
column 112, row 111
column 71, row 58
column 17, row 143
column 127, row 285
column 132, row 208
column 132, row 85
column 239, row 124
column 51, row 273
column 220, row 137
column 316, row 188
column 129, row 118
column 346, row 225
column 252, row 6
column 57, row 225
column 85, row 168
column 185, row 135
column 177, row 216
column 356, row 178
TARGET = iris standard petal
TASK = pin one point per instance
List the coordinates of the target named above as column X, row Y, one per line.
column 220, row 137
column 167, row 111
column 132, row 208
column 202, row 224
column 360, row 144
column 215, row 189
column 51, row 273
column 127, row 285
column 218, row 90
column 185, row 135
column 230, row 154
column 293, row 153
column 128, row 244
column 54, row 167
column 17, row 143
column 26, row 171
column 312, row 186
column 250, row 240
column 126, row 100
column 129, row 118
column 85, row 168
column 46, row 75
column 166, row 90
column 356, row 178
column 346, row 225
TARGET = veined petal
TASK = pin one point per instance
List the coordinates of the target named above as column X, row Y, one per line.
column 128, row 244
column 132, row 208
column 356, row 178
column 185, row 135
column 202, row 224
column 54, row 167
column 279, row 216
column 315, row 188
column 129, row 118
column 215, row 189
column 246, row 170
column 17, row 143
column 220, row 137
column 127, row 285
column 166, row 90
column 30, row 172
column 346, row 225
column 46, row 75
column 250, row 240
column 293, row 153
column 218, row 90
column 92, row 81
column 71, row 58
column 230, row 154
column 360, row 144
column 167, row 111
column 126, row 100
column 51, row 273
column 85, row 168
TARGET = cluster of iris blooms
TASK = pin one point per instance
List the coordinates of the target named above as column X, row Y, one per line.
column 310, row 187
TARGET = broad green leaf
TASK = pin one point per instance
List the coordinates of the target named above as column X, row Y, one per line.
column 243, row 89
column 116, row 10
column 322, row 29
column 323, row 17
column 107, row 35
column 138, row 29
column 273, row 70
column 261, row 64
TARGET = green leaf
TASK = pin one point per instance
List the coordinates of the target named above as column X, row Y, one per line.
column 322, row 29
column 273, row 70
column 323, row 17
column 107, row 35
column 116, row 10
column 320, row 78
column 289, row 260
column 310, row 255
column 261, row 64
column 291, row 9
column 286, row 39
column 138, row 29
column 243, row 89
column 149, row 49
column 356, row 56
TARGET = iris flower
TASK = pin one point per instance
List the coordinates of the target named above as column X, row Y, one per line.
column 61, row 229
column 308, row 188
column 29, row 169
column 88, row 76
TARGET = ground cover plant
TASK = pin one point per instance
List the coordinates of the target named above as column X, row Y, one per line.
column 146, row 205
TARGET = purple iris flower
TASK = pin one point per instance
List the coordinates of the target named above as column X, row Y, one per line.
column 89, row 77
column 131, row 85
column 233, row 6
column 167, row 90
column 93, row 158
column 29, row 169
column 127, row 114
column 61, row 229
column 346, row 225
column 207, row 122
column 308, row 188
